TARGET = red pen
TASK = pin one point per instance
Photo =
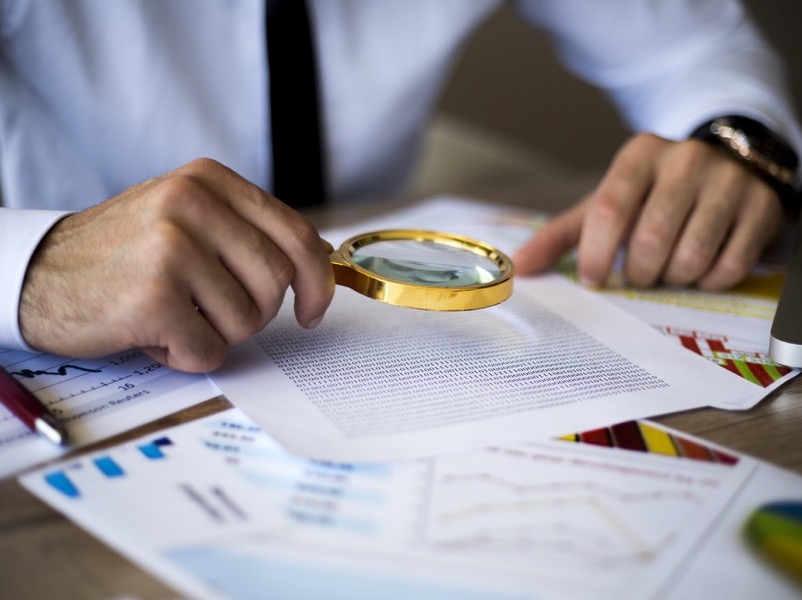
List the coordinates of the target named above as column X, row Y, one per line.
column 30, row 410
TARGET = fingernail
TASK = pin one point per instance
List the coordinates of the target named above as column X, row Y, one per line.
column 589, row 282
column 314, row 322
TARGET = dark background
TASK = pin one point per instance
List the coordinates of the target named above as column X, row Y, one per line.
column 535, row 102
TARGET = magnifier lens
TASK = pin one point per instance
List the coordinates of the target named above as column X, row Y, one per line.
column 425, row 262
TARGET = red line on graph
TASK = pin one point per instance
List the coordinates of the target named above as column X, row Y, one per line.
column 564, row 487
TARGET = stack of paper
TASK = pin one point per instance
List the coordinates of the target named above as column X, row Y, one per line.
column 397, row 453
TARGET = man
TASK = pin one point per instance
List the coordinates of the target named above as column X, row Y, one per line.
column 98, row 97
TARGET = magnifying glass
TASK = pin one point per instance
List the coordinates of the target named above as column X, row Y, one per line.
column 423, row 269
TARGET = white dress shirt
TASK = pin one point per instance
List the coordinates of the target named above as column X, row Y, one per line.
column 98, row 96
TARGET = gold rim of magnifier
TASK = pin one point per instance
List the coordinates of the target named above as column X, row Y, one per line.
column 401, row 293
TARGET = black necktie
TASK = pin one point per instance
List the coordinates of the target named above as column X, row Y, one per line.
column 298, row 176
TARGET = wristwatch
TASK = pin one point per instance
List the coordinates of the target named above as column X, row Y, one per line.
column 757, row 147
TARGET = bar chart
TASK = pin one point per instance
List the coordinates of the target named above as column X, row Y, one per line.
column 516, row 521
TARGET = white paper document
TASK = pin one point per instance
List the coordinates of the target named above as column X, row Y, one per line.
column 727, row 566
column 378, row 382
column 730, row 329
column 542, row 520
column 94, row 398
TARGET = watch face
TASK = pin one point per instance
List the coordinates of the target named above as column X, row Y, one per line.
column 766, row 141
column 757, row 145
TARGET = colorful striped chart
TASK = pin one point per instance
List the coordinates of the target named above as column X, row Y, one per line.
column 775, row 530
column 643, row 437
column 752, row 366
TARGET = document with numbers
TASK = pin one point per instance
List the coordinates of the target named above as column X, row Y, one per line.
column 731, row 329
column 376, row 382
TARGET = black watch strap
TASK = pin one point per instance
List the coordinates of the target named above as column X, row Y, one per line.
column 757, row 147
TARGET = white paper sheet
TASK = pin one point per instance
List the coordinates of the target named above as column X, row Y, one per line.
column 726, row 566
column 730, row 329
column 378, row 382
column 531, row 520
column 94, row 398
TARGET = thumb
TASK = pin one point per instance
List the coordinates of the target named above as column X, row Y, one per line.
column 548, row 245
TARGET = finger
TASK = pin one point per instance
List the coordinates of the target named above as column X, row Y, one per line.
column 238, row 300
column 718, row 202
column 184, row 273
column 190, row 344
column 236, row 274
column 176, row 333
column 613, row 208
column 758, row 221
column 298, row 240
column 295, row 236
column 663, row 216
column 549, row 244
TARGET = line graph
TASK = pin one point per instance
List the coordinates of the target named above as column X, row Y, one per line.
column 41, row 371
column 538, row 512
column 64, row 376
column 543, row 525
column 530, row 505
column 45, row 371
column 587, row 487
column 94, row 383
column 61, row 370
column 95, row 386
column 563, row 539
column 548, row 519
column 90, row 396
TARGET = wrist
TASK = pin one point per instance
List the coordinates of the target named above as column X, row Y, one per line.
column 757, row 148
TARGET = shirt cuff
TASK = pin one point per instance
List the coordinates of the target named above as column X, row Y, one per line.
column 21, row 231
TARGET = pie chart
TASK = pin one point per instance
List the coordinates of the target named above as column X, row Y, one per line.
column 775, row 531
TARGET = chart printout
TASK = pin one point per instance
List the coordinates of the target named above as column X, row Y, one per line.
column 94, row 398
column 730, row 330
column 531, row 520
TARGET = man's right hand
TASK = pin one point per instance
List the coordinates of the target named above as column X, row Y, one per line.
column 183, row 266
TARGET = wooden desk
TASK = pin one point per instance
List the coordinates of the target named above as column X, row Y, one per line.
column 43, row 555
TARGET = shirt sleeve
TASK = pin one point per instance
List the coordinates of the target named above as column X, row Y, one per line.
column 671, row 65
column 20, row 234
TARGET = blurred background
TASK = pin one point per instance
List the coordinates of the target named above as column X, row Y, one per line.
column 497, row 126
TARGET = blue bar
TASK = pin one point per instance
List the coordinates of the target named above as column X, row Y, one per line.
column 60, row 481
column 108, row 467
column 163, row 441
column 152, row 450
